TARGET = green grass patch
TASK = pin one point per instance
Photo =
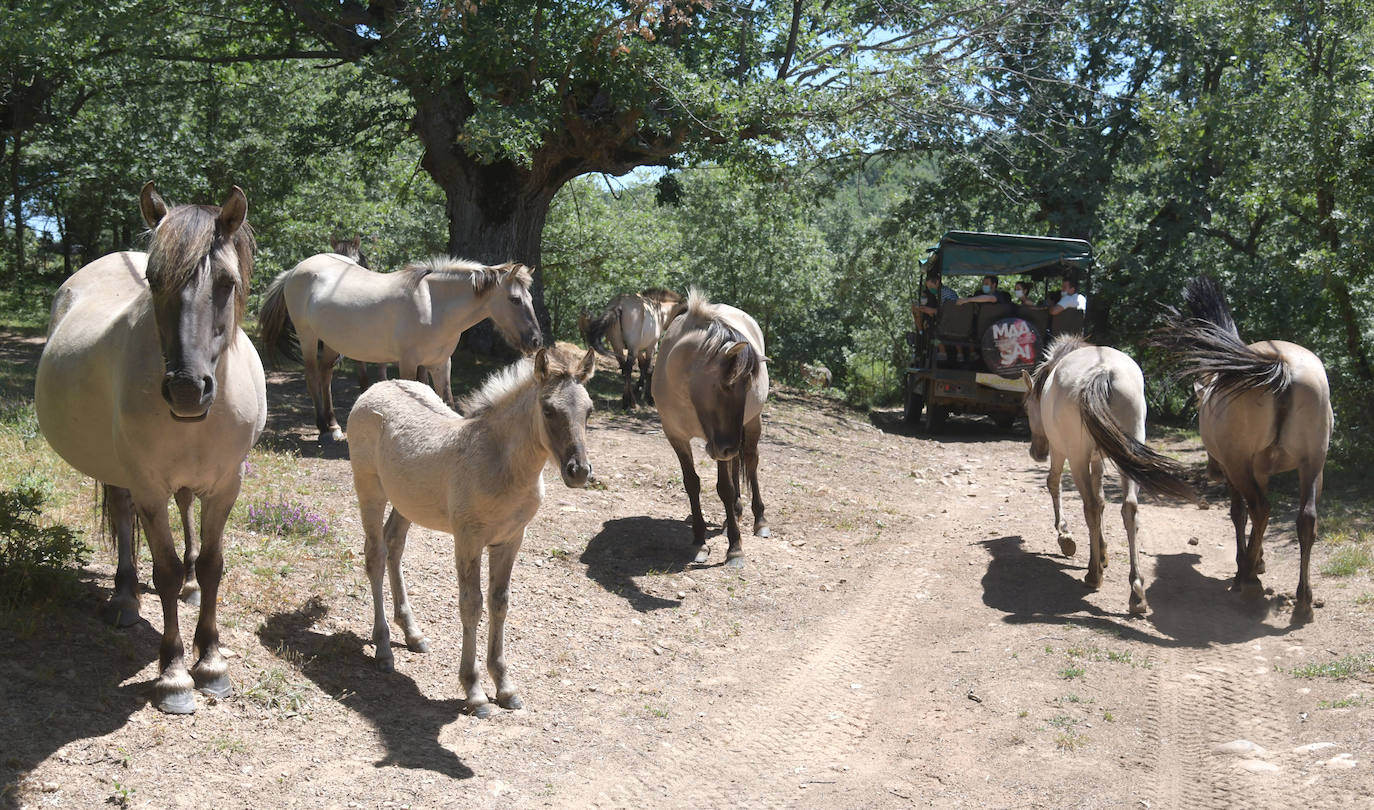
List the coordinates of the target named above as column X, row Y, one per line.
column 1346, row 667
column 277, row 693
column 1348, row 559
column 1070, row 672
column 1347, row 702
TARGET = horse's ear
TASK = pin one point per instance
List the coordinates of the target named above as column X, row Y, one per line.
column 150, row 203
column 541, row 365
column 586, row 368
column 736, row 348
column 232, row 213
column 1026, row 378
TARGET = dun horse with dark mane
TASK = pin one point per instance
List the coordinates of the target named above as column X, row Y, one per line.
column 148, row 385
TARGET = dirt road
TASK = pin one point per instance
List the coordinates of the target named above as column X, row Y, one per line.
column 908, row 637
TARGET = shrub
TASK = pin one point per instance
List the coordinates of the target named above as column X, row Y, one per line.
column 285, row 519
column 36, row 561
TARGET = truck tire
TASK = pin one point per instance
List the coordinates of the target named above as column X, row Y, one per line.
column 912, row 405
column 935, row 418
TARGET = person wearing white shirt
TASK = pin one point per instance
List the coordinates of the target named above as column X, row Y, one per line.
column 1071, row 298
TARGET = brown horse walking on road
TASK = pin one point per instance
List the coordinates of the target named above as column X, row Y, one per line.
column 1263, row 408
column 148, row 385
column 711, row 384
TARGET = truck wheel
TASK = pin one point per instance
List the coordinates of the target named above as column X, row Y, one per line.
column 1003, row 421
column 935, row 418
column 912, row 404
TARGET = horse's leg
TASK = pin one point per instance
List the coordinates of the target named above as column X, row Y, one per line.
column 500, row 563
column 735, row 464
column 122, row 609
column 646, row 376
column 440, row 375
column 328, row 357
column 1239, row 517
column 1310, row 485
column 211, row 672
column 1096, row 469
column 1245, row 504
column 1129, row 503
column 725, row 488
column 470, row 607
column 395, row 533
column 364, row 380
column 692, row 483
column 749, row 450
column 1092, row 513
column 190, row 589
column 627, row 367
column 1066, row 545
column 310, row 358
column 372, row 508
column 173, row 691
column 1259, row 523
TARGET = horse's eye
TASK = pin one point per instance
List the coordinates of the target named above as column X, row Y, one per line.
column 515, row 299
column 549, row 411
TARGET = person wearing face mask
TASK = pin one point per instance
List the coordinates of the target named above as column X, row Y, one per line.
column 1071, row 298
column 928, row 306
column 1021, row 294
column 989, row 295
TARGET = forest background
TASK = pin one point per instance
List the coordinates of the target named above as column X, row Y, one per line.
column 795, row 158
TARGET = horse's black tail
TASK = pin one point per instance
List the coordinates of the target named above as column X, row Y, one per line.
column 597, row 329
column 107, row 520
column 1205, row 344
column 1154, row 473
column 275, row 330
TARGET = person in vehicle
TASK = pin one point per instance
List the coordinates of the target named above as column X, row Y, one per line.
column 989, row 295
column 928, row 306
column 1071, row 298
column 1021, row 294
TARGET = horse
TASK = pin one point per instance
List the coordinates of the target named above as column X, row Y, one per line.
column 1263, row 408
column 633, row 322
column 478, row 477
column 148, row 385
column 816, row 375
column 1086, row 403
column 352, row 249
column 711, row 385
column 412, row 317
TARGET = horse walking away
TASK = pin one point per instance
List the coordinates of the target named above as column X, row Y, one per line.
column 1084, row 404
column 352, row 249
column 633, row 322
column 478, row 477
column 711, row 384
column 1263, row 408
column 412, row 317
column 148, row 385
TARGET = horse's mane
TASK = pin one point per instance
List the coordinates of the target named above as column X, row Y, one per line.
column 184, row 237
column 484, row 277
column 505, row 384
column 661, row 296
column 719, row 336
column 1058, row 349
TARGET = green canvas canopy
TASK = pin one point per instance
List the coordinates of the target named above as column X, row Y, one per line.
column 966, row 253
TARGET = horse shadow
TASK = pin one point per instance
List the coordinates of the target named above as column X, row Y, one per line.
column 408, row 722
column 1188, row 608
column 62, row 678
column 630, row 547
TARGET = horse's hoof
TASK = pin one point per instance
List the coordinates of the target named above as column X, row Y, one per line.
column 1252, row 589
column 387, row 664
column 1259, row 567
column 1139, row 607
column 481, row 711
column 1302, row 614
column 120, row 613
column 735, row 562
column 419, row 645
column 191, row 596
column 511, row 701
column 175, row 699
column 219, row 686
column 761, row 531
column 1092, row 583
column 702, row 553
column 1067, row 546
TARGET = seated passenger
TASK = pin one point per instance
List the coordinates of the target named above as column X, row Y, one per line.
column 929, row 304
column 989, row 295
column 1071, row 298
column 1021, row 294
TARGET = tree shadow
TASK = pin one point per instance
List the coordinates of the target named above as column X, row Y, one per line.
column 408, row 722
column 1188, row 608
column 62, row 678
column 630, row 547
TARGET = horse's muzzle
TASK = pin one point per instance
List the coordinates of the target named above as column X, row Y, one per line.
column 188, row 396
column 575, row 472
column 531, row 341
column 722, row 452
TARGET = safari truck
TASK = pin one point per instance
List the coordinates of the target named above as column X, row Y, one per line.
column 968, row 358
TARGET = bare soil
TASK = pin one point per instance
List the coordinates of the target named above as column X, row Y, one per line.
column 909, row 636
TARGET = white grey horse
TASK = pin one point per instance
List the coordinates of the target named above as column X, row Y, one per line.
column 711, row 384
column 148, row 385
column 1085, row 404
column 412, row 317
column 633, row 323
column 478, row 477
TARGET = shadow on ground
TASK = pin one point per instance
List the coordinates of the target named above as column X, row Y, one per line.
column 1188, row 608
column 62, row 678
column 408, row 722
column 631, row 547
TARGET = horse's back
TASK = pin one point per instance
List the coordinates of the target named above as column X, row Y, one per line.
column 1061, row 398
column 639, row 324
column 1274, row 434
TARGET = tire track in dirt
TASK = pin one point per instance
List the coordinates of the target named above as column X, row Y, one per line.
column 814, row 717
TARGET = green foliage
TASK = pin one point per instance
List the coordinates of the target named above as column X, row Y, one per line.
column 1339, row 669
column 37, row 561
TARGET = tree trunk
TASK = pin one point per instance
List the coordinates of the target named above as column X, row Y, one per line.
column 17, row 203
